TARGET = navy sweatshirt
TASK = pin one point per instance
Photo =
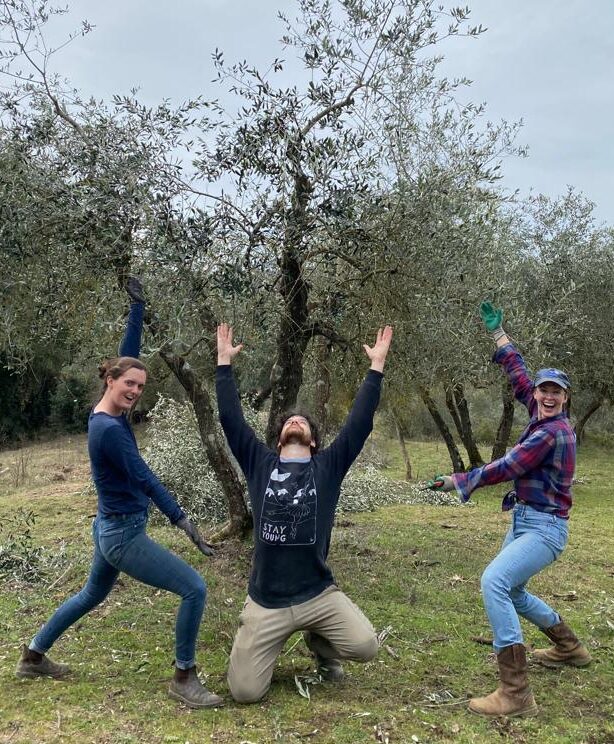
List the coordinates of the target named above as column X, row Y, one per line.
column 293, row 501
column 123, row 480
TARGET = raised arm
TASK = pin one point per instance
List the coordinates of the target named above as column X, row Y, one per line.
column 226, row 350
column 347, row 444
column 492, row 317
column 242, row 440
column 131, row 342
column 508, row 356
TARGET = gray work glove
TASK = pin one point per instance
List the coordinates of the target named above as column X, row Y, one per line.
column 191, row 530
column 135, row 291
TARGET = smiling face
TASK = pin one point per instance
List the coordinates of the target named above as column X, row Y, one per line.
column 123, row 393
column 550, row 398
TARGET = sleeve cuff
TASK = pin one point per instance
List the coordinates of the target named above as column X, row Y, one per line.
column 177, row 517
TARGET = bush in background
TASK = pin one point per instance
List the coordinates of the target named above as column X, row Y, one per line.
column 175, row 453
column 70, row 405
column 366, row 488
column 20, row 559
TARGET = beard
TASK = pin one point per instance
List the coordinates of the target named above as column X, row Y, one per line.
column 295, row 436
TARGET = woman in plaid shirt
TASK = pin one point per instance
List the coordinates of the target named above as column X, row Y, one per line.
column 541, row 464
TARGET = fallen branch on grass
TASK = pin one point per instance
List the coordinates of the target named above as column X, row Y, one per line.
column 482, row 639
column 57, row 581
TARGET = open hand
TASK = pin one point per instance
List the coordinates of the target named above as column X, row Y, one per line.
column 378, row 352
column 226, row 352
column 492, row 317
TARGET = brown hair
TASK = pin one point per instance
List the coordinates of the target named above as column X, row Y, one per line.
column 117, row 367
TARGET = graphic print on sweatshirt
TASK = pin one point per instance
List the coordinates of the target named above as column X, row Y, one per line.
column 289, row 509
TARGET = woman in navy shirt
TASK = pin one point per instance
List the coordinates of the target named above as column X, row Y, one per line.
column 125, row 486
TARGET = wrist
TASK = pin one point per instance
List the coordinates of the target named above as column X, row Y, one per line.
column 377, row 366
column 223, row 360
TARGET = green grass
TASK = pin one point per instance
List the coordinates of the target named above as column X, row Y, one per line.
column 414, row 570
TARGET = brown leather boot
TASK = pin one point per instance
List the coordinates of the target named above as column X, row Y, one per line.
column 513, row 697
column 567, row 648
column 33, row 664
column 188, row 689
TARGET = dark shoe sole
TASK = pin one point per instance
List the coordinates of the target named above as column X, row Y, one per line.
column 191, row 704
column 34, row 675
column 332, row 680
column 561, row 664
column 525, row 713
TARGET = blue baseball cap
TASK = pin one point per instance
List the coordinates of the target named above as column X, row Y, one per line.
column 552, row 375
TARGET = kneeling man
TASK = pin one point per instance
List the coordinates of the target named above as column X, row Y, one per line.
column 294, row 493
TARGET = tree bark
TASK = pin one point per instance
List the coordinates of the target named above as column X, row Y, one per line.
column 475, row 458
column 294, row 333
column 260, row 397
column 457, row 461
column 451, row 406
column 592, row 408
column 240, row 521
column 323, row 384
column 459, row 410
column 404, row 452
column 505, row 423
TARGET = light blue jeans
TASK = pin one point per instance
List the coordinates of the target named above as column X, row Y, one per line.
column 535, row 539
column 121, row 544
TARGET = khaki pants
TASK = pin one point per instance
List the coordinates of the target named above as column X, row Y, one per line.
column 337, row 629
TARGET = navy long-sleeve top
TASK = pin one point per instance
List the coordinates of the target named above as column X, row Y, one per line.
column 293, row 501
column 123, row 480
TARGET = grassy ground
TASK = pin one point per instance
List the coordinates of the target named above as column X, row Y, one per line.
column 414, row 570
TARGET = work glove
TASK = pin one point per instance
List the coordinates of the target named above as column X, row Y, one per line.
column 191, row 530
column 134, row 288
column 441, row 483
column 492, row 318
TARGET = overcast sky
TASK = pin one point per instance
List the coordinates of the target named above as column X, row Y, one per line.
column 547, row 62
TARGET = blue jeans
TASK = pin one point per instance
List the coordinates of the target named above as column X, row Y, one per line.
column 121, row 544
column 535, row 539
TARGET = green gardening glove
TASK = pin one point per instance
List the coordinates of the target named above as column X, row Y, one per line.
column 491, row 317
column 440, row 483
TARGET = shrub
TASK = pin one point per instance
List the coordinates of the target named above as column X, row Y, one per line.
column 175, row 453
column 70, row 405
column 20, row 558
column 366, row 488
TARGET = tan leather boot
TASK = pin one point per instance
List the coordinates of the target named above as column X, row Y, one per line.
column 567, row 648
column 513, row 697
